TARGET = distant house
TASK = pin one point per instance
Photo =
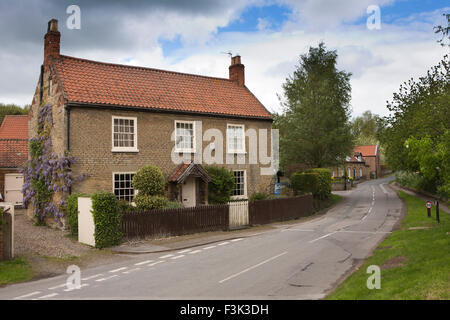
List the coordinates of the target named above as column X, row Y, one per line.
column 371, row 156
column 13, row 155
column 115, row 118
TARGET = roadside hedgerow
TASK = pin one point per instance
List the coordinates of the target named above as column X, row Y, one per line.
column 107, row 219
column 221, row 187
column 323, row 188
column 72, row 212
column 304, row 182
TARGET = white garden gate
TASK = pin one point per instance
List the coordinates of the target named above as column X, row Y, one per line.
column 238, row 214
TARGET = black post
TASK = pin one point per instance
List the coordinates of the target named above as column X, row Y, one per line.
column 429, row 212
column 437, row 211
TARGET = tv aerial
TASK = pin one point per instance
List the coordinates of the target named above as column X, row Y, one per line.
column 228, row 53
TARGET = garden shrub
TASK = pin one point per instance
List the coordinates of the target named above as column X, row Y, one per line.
column 221, row 187
column 148, row 202
column 125, row 206
column 258, row 196
column 323, row 187
column 72, row 212
column 107, row 219
column 173, row 205
column 149, row 180
column 304, row 182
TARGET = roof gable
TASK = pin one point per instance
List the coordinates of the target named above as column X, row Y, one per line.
column 98, row 83
column 367, row 151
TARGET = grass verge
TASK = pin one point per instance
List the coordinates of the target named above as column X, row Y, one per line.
column 16, row 270
column 415, row 263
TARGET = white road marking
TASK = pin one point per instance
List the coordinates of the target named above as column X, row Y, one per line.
column 178, row 257
column 382, row 188
column 166, row 256
column 83, row 285
column 143, row 262
column 223, row 243
column 370, row 232
column 117, row 270
column 238, row 239
column 253, row 267
column 329, row 234
column 27, row 295
column 92, row 277
column 184, row 251
column 155, row 263
column 131, row 270
column 210, row 247
column 107, row 278
column 51, row 295
column 56, row 287
column 195, row 251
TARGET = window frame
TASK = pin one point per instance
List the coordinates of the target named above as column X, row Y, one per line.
column 236, row 151
column 181, row 150
column 124, row 149
column 243, row 196
column 114, row 182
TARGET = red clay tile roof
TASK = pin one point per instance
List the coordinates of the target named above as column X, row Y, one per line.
column 14, row 127
column 93, row 82
column 367, row 150
column 13, row 153
column 13, row 141
column 178, row 172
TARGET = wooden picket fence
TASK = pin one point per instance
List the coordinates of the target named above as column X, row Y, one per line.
column 175, row 222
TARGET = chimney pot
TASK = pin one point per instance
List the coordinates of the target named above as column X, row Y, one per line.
column 236, row 70
column 51, row 42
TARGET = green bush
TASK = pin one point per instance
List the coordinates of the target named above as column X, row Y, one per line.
column 173, row 205
column 149, row 180
column 107, row 219
column 258, row 196
column 221, row 187
column 148, row 202
column 304, row 182
column 323, row 188
column 72, row 212
column 125, row 206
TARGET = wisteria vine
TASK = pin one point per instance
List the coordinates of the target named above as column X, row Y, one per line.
column 46, row 173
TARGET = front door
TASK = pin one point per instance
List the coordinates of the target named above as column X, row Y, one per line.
column 189, row 192
column 13, row 188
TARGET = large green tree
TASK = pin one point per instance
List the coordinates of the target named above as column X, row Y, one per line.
column 364, row 128
column 314, row 126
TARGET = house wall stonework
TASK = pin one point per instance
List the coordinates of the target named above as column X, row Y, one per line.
column 91, row 144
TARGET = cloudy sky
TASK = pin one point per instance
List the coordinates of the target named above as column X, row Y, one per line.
column 193, row 35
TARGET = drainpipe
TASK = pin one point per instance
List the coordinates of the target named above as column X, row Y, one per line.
column 67, row 109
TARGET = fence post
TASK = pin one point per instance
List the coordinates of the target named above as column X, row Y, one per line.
column 7, row 236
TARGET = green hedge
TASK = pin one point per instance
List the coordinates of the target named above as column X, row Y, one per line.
column 221, row 187
column 323, row 188
column 304, row 182
column 147, row 202
column 72, row 212
column 107, row 219
column 257, row 196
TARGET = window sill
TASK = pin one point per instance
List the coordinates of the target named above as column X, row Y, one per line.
column 236, row 152
column 184, row 151
column 125, row 150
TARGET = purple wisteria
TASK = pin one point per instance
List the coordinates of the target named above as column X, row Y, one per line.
column 46, row 173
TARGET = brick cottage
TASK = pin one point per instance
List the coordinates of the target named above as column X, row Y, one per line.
column 115, row 118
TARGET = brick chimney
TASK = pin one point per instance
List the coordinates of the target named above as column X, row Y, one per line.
column 51, row 41
column 237, row 71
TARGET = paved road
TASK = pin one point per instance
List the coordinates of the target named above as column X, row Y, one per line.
column 296, row 261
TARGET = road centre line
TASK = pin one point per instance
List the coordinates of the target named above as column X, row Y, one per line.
column 107, row 278
column 293, row 229
column 253, row 267
column 238, row 239
column 143, row 262
column 57, row 287
column 131, row 270
column 210, row 247
column 51, row 295
column 329, row 234
column 184, row 251
column 177, row 257
column 27, row 295
column 195, row 251
column 155, row 263
column 223, row 243
column 166, row 256
column 92, row 277
column 117, row 270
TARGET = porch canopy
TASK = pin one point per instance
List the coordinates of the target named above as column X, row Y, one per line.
column 186, row 170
